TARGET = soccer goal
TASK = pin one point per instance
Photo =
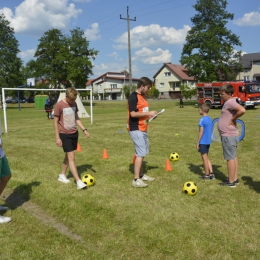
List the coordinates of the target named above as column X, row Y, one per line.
column 35, row 89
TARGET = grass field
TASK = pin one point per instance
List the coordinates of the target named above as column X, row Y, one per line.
column 113, row 220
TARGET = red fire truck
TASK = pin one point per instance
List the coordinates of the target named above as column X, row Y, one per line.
column 247, row 93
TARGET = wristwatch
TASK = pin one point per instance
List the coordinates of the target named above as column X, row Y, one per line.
column 84, row 130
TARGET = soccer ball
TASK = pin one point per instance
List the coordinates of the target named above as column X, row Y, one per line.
column 88, row 179
column 190, row 188
column 174, row 157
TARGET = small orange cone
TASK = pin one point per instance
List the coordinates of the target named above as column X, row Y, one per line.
column 105, row 156
column 78, row 148
column 134, row 157
column 168, row 166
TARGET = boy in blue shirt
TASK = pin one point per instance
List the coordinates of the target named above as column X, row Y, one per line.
column 204, row 141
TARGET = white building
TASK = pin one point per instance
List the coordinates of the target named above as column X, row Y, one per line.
column 110, row 85
column 169, row 78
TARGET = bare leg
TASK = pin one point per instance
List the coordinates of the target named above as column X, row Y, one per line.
column 138, row 167
column 206, row 163
column 232, row 166
column 65, row 164
column 4, row 181
column 72, row 165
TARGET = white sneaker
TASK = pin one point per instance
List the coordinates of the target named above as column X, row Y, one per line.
column 81, row 185
column 5, row 219
column 139, row 183
column 3, row 207
column 63, row 178
column 147, row 178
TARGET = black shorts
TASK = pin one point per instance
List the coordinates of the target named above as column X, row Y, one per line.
column 69, row 141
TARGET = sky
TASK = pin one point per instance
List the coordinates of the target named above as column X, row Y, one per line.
column 158, row 29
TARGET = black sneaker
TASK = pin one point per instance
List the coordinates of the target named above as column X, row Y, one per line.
column 208, row 177
column 205, row 177
column 236, row 182
column 228, row 184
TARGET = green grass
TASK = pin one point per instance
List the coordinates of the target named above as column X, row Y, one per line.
column 112, row 220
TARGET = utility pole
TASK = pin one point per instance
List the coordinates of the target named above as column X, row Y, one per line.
column 129, row 48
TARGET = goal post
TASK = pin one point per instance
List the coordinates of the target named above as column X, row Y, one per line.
column 37, row 89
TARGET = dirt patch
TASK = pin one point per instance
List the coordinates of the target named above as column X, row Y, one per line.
column 15, row 200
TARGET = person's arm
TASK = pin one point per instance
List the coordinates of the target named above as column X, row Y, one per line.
column 240, row 110
column 135, row 114
column 199, row 137
column 56, row 129
column 85, row 131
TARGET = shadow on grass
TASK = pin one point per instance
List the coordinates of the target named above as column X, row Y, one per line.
column 146, row 168
column 255, row 185
column 21, row 194
column 199, row 170
column 82, row 169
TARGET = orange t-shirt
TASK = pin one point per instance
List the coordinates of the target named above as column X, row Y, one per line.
column 137, row 103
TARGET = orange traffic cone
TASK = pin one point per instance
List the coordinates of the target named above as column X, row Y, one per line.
column 134, row 157
column 78, row 148
column 105, row 156
column 168, row 166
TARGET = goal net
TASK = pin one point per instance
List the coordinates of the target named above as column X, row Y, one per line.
column 82, row 112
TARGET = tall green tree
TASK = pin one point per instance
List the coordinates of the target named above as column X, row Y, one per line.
column 64, row 60
column 10, row 64
column 79, row 64
column 209, row 52
column 51, row 57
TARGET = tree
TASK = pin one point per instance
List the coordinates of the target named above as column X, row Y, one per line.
column 64, row 60
column 153, row 92
column 187, row 91
column 126, row 90
column 209, row 50
column 10, row 64
column 50, row 56
column 79, row 65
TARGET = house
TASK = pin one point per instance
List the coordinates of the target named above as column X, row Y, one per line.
column 110, row 85
column 251, row 67
column 169, row 78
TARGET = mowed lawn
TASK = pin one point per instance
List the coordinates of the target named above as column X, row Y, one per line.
column 112, row 220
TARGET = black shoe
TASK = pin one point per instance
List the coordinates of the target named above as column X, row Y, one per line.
column 228, row 184
column 236, row 181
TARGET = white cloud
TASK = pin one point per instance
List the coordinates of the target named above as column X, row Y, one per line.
column 33, row 17
column 82, row 1
column 249, row 19
column 116, row 56
column 148, row 56
column 93, row 34
column 108, row 67
column 152, row 35
column 27, row 55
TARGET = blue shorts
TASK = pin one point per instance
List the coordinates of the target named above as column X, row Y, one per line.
column 4, row 167
column 204, row 148
column 141, row 142
column 69, row 142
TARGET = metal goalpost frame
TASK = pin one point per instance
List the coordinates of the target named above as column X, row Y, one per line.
column 37, row 89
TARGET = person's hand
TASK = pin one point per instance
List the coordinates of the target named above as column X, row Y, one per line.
column 87, row 134
column 197, row 146
column 233, row 122
column 153, row 113
column 58, row 142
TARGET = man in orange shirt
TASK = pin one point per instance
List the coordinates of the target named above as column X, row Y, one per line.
column 138, row 115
